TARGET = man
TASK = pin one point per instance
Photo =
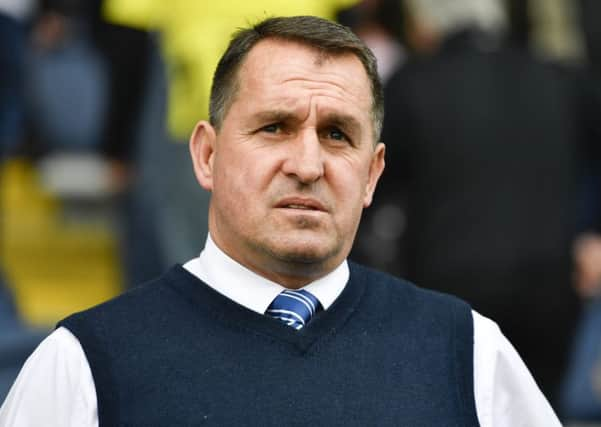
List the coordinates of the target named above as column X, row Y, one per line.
column 291, row 158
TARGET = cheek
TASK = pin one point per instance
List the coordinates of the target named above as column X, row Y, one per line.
column 348, row 182
column 349, row 176
column 227, row 183
column 243, row 179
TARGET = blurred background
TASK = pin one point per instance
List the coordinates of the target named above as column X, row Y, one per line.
column 492, row 188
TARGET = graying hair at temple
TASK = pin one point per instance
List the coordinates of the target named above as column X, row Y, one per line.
column 328, row 37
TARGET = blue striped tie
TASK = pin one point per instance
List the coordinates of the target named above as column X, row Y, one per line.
column 295, row 308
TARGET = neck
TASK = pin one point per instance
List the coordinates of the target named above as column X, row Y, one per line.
column 289, row 273
column 292, row 274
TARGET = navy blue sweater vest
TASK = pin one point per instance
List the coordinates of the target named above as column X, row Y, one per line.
column 174, row 352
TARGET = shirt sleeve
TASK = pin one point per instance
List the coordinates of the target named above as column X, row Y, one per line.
column 505, row 392
column 55, row 387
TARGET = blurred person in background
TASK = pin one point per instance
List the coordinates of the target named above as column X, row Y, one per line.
column 90, row 110
column 485, row 145
column 377, row 23
column 66, row 81
column 581, row 391
column 133, row 111
column 588, row 247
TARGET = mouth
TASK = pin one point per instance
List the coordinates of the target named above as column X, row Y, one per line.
column 302, row 204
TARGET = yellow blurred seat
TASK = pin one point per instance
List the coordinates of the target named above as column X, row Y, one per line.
column 54, row 266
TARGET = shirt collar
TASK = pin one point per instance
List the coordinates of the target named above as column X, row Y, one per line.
column 251, row 290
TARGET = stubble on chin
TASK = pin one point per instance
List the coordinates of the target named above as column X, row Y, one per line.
column 301, row 255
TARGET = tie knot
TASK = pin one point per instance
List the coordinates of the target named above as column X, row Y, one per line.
column 295, row 308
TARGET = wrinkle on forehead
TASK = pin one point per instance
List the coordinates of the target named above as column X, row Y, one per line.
column 265, row 63
column 292, row 77
column 317, row 85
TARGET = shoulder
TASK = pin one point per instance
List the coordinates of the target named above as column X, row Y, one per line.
column 385, row 282
column 139, row 303
column 506, row 392
column 388, row 289
column 439, row 328
column 54, row 388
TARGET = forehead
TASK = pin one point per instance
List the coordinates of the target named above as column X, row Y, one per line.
column 280, row 73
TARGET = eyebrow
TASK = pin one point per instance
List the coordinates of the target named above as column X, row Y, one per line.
column 275, row 116
column 346, row 122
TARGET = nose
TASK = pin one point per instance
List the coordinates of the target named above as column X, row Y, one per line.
column 305, row 158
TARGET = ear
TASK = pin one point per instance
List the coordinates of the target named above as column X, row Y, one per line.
column 376, row 168
column 202, row 149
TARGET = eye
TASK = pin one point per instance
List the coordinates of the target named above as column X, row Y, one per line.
column 272, row 128
column 336, row 134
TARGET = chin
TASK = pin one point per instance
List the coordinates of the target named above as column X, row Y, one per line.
column 305, row 251
column 301, row 256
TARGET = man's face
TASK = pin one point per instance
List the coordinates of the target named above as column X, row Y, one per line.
column 293, row 163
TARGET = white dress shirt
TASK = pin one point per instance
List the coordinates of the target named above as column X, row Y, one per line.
column 56, row 389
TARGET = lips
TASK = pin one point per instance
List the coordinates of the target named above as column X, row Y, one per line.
column 301, row 203
column 299, row 207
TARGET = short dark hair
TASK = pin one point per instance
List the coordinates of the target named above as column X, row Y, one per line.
column 328, row 37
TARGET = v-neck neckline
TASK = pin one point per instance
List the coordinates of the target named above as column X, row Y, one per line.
column 237, row 316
